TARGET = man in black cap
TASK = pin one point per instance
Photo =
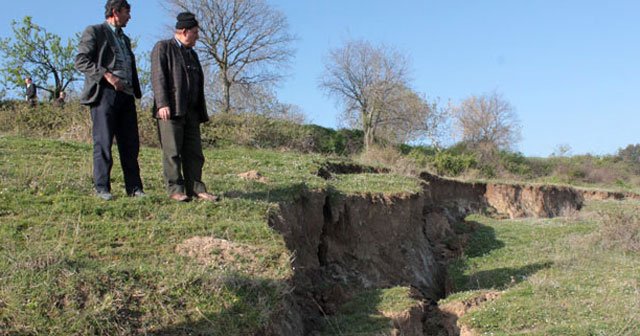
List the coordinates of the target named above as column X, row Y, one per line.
column 111, row 83
column 179, row 106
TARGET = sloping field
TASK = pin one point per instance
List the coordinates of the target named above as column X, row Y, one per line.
column 298, row 247
column 73, row 264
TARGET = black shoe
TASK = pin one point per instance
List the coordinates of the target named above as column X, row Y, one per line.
column 104, row 195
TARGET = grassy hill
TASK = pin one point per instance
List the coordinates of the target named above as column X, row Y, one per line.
column 73, row 264
column 561, row 276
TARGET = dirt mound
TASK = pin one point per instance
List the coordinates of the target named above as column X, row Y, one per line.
column 253, row 175
column 224, row 254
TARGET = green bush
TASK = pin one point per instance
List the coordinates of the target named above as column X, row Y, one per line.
column 514, row 163
column 262, row 132
column 73, row 122
column 254, row 131
column 421, row 155
column 348, row 142
column 447, row 163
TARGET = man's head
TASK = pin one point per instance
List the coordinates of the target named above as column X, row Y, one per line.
column 28, row 80
column 187, row 29
column 117, row 12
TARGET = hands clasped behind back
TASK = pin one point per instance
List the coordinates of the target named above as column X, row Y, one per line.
column 164, row 113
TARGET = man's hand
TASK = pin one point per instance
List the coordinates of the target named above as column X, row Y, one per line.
column 164, row 113
column 114, row 81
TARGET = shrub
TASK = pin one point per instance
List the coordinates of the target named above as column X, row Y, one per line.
column 327, row 140
column 620, row 229
column 45, row 120
column 254, row 131
column 630, row 154
column 452, row 164
column 420, row 155
column 348, row 142
column 514, row 163
column 264, row 132
column 389, row 157
column 73, row 122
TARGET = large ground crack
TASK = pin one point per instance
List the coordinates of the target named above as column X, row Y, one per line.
column 347, row 244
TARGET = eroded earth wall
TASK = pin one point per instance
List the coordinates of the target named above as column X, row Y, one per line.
column 341, row 244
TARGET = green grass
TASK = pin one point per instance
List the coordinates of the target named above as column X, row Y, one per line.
column 556, row 278
column 376, row 184
column 367, row 312
column 73, row 264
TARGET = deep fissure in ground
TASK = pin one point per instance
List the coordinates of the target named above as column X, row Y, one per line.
column 346, row 244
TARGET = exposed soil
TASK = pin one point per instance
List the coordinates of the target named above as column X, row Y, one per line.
column 224, row 254
column 253, row 175
column 330, row 169
column 351, row 243
column 512, row 200
column 452, row 311
column 344, row 244
column 597, row 195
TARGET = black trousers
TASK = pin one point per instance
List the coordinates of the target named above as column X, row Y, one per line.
column 115, row 115
column 182, row 157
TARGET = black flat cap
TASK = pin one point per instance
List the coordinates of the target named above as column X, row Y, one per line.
column 186, row 20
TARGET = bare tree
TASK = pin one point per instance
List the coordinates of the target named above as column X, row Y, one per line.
column 40, row 54
column 247, row 40
column 371, row 82
column 255, row 99
column 409, row 116
column 487, row 122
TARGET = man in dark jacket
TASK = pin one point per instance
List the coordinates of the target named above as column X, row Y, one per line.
column 179, row 106
column 31, row 94
column 111, row 83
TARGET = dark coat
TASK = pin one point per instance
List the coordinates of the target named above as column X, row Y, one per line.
column 169, row 79
column 97, row 55
column 31, row 92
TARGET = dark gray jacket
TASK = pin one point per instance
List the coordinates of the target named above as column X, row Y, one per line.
column 169, row 79
column 97, row 55
column 31, row 92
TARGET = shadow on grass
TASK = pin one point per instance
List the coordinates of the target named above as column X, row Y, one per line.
column 250, row 308
column 361, row 315
column 499, row 278
column 482, row 241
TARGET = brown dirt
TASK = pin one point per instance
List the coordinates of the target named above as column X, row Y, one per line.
column 408, row 322
column 512, row 200
column 452, row 311
column 519, row 201
column 253, row 175
column 349, row 243
column 224, row 254
column 598, row 195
